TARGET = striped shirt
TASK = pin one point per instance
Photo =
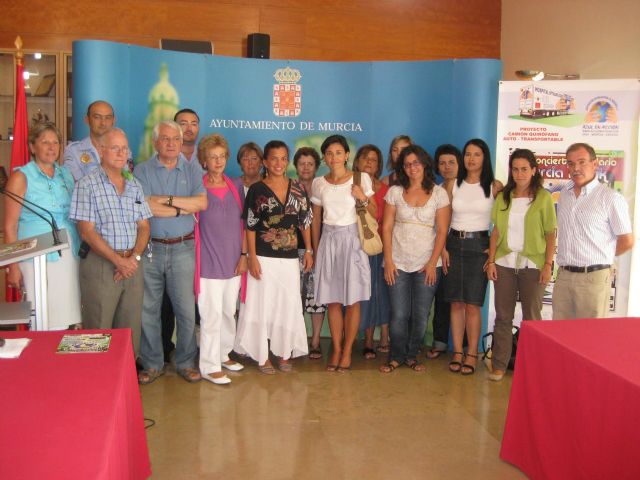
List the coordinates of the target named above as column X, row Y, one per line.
column 589, row 224
column 95, row 199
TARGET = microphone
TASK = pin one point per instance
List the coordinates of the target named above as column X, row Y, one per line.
column 55, row 231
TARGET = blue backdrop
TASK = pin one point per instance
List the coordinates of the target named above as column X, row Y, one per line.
column 369, row 102
column 434, row 102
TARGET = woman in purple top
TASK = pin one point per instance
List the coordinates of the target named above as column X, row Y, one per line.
column 220, row 260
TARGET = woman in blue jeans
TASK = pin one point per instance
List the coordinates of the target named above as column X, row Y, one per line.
column 415, row 223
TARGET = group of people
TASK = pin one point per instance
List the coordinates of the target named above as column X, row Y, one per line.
column 178, row 227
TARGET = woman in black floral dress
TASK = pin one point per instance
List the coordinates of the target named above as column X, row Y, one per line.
column 271, row 318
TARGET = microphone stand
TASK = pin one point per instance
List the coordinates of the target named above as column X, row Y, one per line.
column 55, row 231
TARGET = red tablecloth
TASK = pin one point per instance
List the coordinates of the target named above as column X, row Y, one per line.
column 574, row 410
column 71, row 416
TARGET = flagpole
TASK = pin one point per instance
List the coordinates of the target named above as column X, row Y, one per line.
column 19, row 146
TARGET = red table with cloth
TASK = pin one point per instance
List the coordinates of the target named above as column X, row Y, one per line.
column 71, row 416
column 574, row 410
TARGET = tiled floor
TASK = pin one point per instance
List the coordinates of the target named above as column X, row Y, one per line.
column 311, row 424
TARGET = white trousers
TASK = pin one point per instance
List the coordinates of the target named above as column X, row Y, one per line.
column 217, row 305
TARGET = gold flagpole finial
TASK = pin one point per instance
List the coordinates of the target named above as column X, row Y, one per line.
column 19, row 53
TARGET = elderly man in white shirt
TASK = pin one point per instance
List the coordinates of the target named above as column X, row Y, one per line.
column 593, row 228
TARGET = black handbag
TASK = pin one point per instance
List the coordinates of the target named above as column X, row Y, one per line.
column 514, row 347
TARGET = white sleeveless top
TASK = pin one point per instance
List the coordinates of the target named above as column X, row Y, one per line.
column 471, row 209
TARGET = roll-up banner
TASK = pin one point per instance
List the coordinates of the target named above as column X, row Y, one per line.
column 547, row 117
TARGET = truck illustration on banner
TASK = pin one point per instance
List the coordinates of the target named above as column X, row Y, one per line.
column 538, row 102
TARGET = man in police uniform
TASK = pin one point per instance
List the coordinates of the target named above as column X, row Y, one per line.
column 82, row 156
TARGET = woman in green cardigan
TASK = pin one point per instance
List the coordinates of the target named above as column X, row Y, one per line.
column 521, row 249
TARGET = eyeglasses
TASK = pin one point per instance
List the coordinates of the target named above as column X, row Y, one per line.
column 117, row 149
column 216, row 158
column 409, row 165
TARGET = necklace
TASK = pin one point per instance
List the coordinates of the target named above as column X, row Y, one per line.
column 337, row 181
column 215, row 181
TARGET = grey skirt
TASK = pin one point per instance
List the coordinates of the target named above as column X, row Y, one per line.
column 341, row 273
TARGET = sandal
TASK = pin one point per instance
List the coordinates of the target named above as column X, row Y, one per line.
column 191, row 375
column 383, row 348
column 267, row 369
column 369, row 354
column 455, row 366
column 415, row 365
column 343, row 369
column 470, row 369
column 332, row 368
column 145, row 377
column 315, row 353
column 388, row 367
column 285, row 367
column 434, row 353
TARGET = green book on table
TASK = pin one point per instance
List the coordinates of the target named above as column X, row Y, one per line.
column 84, row 343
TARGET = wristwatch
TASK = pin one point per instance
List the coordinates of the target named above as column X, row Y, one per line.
column 137, row 257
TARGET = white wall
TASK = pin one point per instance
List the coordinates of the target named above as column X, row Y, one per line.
column 594, row 38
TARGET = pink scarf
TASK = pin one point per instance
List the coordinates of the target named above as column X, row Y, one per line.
column 196, row 280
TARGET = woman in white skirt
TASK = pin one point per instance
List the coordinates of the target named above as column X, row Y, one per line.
column 342, row 273
column 272, row 318
column 43, row 182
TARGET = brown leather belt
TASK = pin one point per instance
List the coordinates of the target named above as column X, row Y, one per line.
column 589, row 269
column 171, row 241
column 124, row 253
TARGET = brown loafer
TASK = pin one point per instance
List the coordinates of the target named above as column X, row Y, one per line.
column 191, row 375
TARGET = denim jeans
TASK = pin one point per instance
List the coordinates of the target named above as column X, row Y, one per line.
column 441, row 320
column 173, row 266
column 410, row 301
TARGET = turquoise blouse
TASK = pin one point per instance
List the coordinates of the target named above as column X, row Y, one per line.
column 54, row 194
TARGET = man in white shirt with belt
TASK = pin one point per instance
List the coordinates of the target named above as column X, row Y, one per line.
column 593, row 228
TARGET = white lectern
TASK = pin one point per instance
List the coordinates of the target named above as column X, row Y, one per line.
column 43, row 246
